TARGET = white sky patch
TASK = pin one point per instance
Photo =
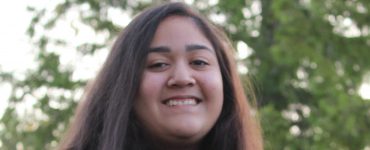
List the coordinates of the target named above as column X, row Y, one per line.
column 218, row 18
column 256, row 7
column 189, row 2
column 305, row 2
column 291, row 115
column 26, row 106
column 119, row 17
column 247, row 13
column 344, row 26
column 5, row 89
column 17, row 54
column 301, row 74
column 367, row 148
column 89, row 65
column 294, row 130
column 212, row 2
column 364, row 91
column 350, row 28
column 14, row 48
column 253, row 10
column 16, row 51
column 242, row 68
column 244, row 50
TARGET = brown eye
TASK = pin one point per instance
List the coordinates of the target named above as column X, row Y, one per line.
column 199, row 63
column 158, row 65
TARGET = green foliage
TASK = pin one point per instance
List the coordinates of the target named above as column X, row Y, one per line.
column 307, row 67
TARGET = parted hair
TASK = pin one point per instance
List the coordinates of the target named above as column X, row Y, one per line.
column 105, row 119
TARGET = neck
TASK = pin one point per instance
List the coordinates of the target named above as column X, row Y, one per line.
column 156, row 144
column 178, row 147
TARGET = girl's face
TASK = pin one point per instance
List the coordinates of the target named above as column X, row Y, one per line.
column 181, row 93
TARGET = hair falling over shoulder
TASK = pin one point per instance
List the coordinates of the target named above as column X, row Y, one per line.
column 104, row 119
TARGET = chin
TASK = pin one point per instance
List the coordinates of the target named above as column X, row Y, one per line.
column 189, row 132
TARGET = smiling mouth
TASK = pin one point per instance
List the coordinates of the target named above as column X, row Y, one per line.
column 172, row 102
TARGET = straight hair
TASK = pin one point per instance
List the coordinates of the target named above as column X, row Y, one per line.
column 105, row 118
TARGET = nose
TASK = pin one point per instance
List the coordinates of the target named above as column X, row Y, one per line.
column 181, row 76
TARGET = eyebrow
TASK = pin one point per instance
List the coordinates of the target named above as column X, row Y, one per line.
column 190, row 47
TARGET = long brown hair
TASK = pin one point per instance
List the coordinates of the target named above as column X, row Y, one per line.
column 105, row 118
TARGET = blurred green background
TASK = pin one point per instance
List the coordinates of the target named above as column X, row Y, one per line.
column 308, row 59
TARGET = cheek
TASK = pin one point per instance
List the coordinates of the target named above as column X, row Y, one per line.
column 150, row 86
column 149, row 93
column 213, row 84
column 212, row 88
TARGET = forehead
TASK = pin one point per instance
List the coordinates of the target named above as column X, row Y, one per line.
column 175, row 31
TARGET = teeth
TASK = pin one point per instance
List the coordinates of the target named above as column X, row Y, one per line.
column 173, row 102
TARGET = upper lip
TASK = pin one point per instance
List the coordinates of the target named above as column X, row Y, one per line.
column 182, row 97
